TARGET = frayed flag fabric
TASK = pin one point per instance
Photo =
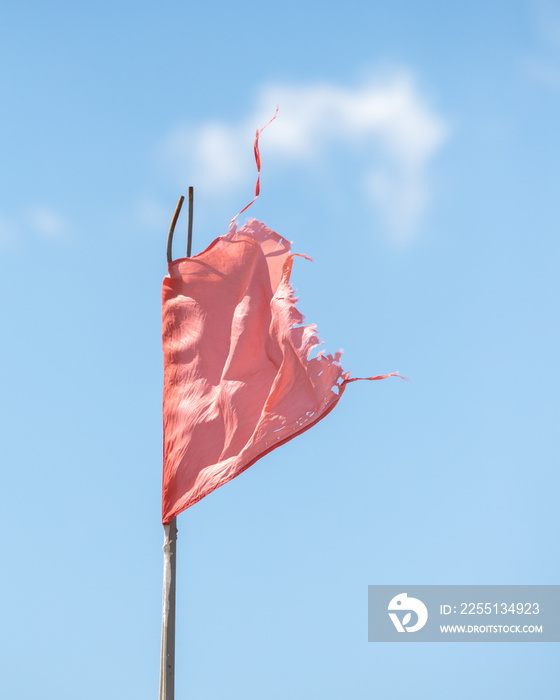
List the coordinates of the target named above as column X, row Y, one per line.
column 238, row 377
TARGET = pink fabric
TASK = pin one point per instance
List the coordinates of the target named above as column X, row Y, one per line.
column 238, row 380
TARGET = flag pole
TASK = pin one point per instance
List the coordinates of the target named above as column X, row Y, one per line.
column 167, row 661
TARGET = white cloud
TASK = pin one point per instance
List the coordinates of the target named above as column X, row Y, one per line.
column 545, row 72
column 546, row 16
column 212, row 150
column 390, row 112
column 543, row 64
column 386, row 123
column 46, row 222
column 40, row 221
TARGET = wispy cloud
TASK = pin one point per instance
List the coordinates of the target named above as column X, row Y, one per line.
column 547, row 19
column 543, row 65
column 46, row 222
column 41, row 221
column 387, row 123
column 543, row 71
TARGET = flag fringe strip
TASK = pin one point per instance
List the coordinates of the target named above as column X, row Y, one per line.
column 379, row 376
column 190, row 221
column 258, row 162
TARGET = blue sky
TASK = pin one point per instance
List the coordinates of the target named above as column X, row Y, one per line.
column 416, row 159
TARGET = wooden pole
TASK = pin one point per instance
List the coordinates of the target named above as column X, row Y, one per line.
column 167, row 664
column 172, row 229
column 167, row 661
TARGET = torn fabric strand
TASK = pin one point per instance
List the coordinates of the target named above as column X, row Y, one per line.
column 238, row 380
column 258, row 163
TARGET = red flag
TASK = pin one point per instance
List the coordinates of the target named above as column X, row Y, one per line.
column 238, row 380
